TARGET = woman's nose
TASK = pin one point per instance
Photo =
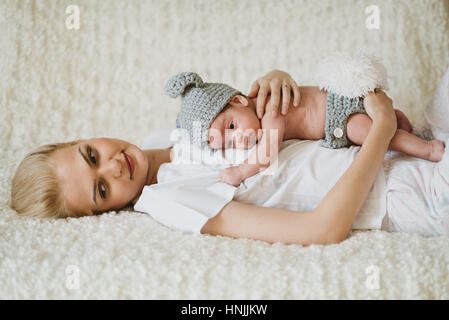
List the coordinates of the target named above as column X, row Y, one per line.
column 112, row 168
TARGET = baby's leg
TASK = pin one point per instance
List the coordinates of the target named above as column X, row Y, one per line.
column 358, row 126
column 410, row 144
column 403, row 122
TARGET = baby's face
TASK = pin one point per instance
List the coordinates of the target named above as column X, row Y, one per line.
column 236, row 127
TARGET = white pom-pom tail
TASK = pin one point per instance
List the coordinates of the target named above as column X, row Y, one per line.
column 351, row 75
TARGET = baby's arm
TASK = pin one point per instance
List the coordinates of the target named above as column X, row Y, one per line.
column 261, row 157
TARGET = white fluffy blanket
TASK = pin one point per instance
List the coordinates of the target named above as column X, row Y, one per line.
column 106, row 79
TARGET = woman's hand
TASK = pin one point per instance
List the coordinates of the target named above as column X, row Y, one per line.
column 380, row 109
column 273, row 82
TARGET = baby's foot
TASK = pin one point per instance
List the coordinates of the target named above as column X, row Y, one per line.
column 436, row 150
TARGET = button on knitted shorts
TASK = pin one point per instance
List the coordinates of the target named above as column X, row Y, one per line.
column 338, row 110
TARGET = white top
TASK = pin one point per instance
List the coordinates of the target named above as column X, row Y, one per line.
column 189, row 192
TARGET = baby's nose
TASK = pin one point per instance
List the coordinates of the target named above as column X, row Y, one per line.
column 238, row 135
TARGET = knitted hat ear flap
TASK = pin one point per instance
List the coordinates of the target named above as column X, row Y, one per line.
column 180, row 83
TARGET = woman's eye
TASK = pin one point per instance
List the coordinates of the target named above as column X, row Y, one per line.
column 231, row 126
column 89, row 153
column 102, row 190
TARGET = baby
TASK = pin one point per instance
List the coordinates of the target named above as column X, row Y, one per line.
column 222, row 117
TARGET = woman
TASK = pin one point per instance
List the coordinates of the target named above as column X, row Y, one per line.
column 92, row 176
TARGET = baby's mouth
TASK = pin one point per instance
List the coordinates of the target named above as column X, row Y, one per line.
column 247, row 142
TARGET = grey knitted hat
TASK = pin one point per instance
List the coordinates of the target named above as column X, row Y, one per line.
column 201, row 103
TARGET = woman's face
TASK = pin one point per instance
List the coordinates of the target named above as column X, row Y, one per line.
column 95, row 176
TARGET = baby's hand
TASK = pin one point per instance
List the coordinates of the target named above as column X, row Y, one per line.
column 232, row 176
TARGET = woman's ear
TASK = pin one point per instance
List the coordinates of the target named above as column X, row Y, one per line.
column 239, row 100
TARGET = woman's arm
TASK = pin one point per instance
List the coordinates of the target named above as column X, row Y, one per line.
column 242, row 220
column 331, row 221
column 343, row 202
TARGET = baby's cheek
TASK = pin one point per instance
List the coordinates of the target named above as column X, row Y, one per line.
column 214, row 137
column 215, row 142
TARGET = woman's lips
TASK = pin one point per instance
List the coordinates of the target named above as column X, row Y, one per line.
column 131, row 166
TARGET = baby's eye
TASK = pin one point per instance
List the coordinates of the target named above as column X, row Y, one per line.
column 231, row 126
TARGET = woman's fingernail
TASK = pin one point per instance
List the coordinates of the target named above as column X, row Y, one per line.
column 273, row 112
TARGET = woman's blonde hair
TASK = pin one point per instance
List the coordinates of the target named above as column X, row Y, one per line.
column 35, row 191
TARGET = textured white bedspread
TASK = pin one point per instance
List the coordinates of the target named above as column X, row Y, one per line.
column 107, row 78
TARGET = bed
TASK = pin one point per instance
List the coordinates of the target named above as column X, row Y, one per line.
column 61, row 80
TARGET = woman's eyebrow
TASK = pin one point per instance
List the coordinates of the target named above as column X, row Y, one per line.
column 95, row 182
column 84, row 157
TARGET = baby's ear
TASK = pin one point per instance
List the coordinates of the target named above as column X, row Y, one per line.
column 239, row 100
